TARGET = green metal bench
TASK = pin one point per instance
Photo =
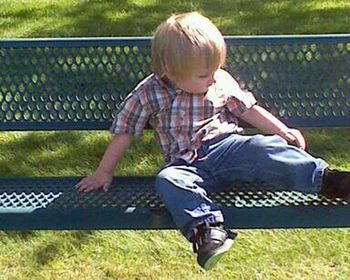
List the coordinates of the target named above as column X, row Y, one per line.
column 77, row 84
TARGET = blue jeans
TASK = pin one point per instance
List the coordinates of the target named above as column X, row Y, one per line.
column 184, row 187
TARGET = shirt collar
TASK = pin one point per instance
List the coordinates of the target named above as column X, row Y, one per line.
column 165, row 82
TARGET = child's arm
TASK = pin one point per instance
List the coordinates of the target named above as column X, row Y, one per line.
column 102, row 177
column 266, row 122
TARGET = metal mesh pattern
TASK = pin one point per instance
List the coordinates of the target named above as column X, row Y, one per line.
column 23, row 195
column 252, row 198
column 68, row 83
column 78, row 83
column 23, row 202
column 304, row 80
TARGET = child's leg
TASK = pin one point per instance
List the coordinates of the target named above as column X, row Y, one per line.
column 182, row 188
column 266, row 159
column 270, row 159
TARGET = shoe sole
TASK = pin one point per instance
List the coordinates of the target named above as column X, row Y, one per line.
column 217, row 254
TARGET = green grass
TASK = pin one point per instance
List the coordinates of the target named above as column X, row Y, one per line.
column 263, row 254
column 257, row 254
column 69, row 18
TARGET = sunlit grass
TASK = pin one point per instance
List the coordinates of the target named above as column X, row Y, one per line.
column 256, row 254
column 263, row 254
column 74, row 18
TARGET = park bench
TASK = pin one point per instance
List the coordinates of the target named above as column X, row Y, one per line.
column 78, row 83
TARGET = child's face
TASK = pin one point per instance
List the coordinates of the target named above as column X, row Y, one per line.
column 197, row 83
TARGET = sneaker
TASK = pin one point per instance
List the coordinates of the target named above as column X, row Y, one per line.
column 211, row 242
column 336, row 184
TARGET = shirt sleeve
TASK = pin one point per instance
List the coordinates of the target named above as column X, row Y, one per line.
column 132, row 116
column 237, row 99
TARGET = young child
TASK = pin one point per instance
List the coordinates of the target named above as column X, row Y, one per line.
column 194, row 107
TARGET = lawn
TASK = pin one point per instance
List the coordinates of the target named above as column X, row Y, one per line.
column 70, row 18
column 257, row 254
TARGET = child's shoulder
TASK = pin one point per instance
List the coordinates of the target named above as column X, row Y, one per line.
column 151, row 83
column 146, row 82
column 144, row 88
column 151, row 92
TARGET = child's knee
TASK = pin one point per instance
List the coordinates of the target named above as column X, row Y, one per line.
column 167, row 174
column 162, row 177
column 170, row 177
column 175, row 179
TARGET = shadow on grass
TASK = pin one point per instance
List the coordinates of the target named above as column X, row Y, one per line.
column 68, row 154
column 73, row 242
column 130, row 18
column 50, row 245
column 25, row 235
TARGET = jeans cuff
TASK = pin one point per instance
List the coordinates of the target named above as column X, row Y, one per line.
column 213, row 218
column 318, row 175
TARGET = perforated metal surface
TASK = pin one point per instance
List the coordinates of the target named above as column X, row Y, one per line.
column 305, row 79
column 78, row 83
column 62, row 84
column 54, row 203
column 26, row 202
column 137, row 192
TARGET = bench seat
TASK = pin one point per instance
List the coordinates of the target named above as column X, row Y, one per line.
column 131, row 203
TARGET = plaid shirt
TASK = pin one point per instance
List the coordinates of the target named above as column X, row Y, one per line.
column 182, row 120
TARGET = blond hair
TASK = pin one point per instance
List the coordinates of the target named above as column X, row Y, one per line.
column 186, row 42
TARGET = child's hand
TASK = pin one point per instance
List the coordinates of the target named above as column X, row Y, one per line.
column 294, row 137
column 95, row 181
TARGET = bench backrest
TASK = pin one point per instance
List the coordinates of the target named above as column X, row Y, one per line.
column 77, row 84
